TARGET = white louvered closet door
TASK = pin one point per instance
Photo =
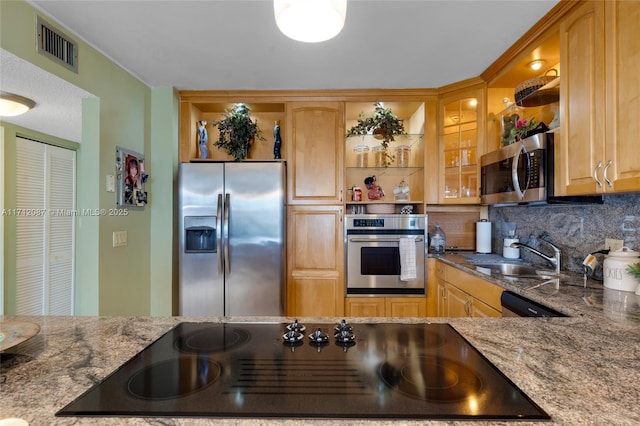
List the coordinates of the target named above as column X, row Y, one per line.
column 45, row 202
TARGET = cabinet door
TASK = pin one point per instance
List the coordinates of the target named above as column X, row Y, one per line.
column 401, row 307
column 623, row 96
column 315, row 261
column 315, row 297
column 461, row 142
column 364, row 307
column 581, row 99
column 456, row 302
column 477, row 309
column 315, row 141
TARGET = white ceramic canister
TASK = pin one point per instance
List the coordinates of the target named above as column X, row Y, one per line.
column 615, row 272
column 508, row 251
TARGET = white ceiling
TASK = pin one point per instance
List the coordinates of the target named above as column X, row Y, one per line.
column 58, row 110
column 235, row 45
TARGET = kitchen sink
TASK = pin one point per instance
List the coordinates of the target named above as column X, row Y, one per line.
column 517, row 270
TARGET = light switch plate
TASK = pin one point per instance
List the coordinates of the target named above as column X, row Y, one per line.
column 613, row 244
column 111, row 183
column 119, row 238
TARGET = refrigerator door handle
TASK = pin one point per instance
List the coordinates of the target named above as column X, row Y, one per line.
column 219, row 235
column 227, row 207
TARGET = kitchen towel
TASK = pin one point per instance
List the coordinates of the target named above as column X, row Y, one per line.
column 483, row 236
column 407, row 259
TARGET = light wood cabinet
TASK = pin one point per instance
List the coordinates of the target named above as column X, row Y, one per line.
column 463, row 295
column 364, row 307
column 315, row 261
column 622, row 53
column 461, row 143
column 582, row 98
column 315, row 141
column 399, row 307
column 600, row 45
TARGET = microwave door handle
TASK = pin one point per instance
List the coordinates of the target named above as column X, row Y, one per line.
column 514, row 173
column 219, row 234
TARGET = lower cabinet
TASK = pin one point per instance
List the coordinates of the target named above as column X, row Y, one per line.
column 386, row 307
column 315, row 297
column 315, row 283
column 463, row 295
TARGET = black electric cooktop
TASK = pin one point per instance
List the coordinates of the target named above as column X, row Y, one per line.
column 270, row 370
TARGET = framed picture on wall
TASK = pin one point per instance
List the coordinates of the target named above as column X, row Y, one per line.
column 131, row 179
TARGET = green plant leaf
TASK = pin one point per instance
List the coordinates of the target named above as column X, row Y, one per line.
column 237, row 132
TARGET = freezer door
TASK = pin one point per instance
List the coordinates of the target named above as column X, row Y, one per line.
column 254, row 195
column 200, row 241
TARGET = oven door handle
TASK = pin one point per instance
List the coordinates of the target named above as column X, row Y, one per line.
column 381, row 240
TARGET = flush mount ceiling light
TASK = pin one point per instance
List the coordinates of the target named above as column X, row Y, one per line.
column 537, row 64
column 310, row 21
column 12, row 105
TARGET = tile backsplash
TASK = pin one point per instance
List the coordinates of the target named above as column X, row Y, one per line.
column 577, row 230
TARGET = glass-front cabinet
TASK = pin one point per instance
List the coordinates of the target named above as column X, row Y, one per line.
column 461, row 147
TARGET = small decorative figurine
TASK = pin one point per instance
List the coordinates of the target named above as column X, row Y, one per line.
column 202, row 139
column 277, row 140
column 375, row 192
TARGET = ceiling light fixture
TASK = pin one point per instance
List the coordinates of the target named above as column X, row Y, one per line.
column 12, row 105
column 310, row 21
column 537, row 64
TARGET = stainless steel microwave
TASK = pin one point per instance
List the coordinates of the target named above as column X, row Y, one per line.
column 523, row 173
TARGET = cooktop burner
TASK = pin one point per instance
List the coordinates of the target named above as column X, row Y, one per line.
column 419, row 371
column 213, row 339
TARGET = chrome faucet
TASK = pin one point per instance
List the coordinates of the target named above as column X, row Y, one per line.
column 555, row 260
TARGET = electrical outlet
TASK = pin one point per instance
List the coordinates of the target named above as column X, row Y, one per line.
column 613, row 244
column 119, row 238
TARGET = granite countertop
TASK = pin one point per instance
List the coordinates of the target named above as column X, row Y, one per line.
column 580, row 370
column 568, row 295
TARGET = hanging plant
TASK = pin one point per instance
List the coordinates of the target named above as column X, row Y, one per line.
column 237, row 132
column 383, row 125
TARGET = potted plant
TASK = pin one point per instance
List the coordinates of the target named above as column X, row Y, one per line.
column 526, row 128
column 383, row 125
column 237, row 132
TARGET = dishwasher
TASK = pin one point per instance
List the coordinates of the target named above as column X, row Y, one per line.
column 514, row 305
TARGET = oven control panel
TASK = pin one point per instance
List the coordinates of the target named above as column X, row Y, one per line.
column 368, row 223
column 363, row 222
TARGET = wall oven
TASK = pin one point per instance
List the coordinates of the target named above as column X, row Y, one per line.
column 374, row 258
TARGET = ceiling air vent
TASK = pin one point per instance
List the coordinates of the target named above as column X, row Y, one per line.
column 56, row 45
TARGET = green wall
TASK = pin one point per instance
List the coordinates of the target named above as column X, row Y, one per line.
column 112, row 281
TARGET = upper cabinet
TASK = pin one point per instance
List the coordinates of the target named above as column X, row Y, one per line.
column 582, row 86
column 461, row 139
column 314, row 140
column 398, row 171
column 600, row 47
column 622, row 53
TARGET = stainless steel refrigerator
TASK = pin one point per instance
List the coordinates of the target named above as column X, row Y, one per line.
column 232, row 218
